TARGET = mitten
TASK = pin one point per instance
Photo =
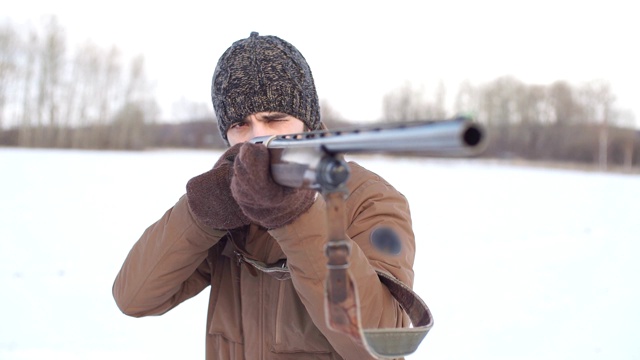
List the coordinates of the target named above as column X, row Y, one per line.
column 264, row 201
column 209, row 195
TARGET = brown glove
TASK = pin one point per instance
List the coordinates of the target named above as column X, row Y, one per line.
column 210, row 198
column 265, row 202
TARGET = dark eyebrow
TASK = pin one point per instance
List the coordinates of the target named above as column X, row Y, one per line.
column 243, row 121
column 275, row 116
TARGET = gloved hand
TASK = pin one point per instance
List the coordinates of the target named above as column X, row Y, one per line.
column 209, row 195
column 264, row 201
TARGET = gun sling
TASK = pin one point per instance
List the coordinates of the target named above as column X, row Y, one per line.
column 384, row 343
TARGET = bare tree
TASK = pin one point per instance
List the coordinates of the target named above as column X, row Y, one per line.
column 598, row 101
column 438, row 109
column 498, row 108
column 534, row 112
column 408, row 103
column 104, row 90
column 127, row 123
column 50, row 82
column 26, row 134
column 87, row 88
column 127, row 129
column 110, row 86
column 8, row 68
column 627, row 141
column 498, row 103
column 564, row 101
column 466, row 99
column 75, row 92
column 397, row 105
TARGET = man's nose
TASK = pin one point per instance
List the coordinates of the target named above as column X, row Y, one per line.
column 259, row 128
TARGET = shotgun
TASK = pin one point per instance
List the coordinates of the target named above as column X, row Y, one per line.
column 313, row 159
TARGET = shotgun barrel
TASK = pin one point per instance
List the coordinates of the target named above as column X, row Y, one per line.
column 314, row 159
column 456, row 137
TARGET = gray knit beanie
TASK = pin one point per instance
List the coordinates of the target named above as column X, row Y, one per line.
column 263, row 73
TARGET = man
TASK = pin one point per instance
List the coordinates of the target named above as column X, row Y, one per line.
column 261, row 245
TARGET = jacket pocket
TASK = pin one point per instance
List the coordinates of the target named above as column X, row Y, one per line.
column 225, row 316
column 295, row 332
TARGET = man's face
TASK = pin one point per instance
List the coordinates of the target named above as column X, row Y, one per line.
column 262, row 124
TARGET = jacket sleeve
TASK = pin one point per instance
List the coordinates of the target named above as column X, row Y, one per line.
column 167, row 265
column 372, row 204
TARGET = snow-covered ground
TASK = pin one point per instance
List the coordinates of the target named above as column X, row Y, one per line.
column 514, row 262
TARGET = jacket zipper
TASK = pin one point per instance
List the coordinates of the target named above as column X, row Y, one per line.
column 260, row 317
column 279, row 311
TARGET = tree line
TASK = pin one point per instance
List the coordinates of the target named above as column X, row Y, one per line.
column 86, row 98
column 545, row 122
column 92, row 98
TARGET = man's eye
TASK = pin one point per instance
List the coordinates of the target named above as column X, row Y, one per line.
column 237, row 125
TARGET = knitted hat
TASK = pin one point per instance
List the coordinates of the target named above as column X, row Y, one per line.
column 263, row 73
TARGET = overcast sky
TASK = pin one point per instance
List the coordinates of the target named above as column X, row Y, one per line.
column 360, row 50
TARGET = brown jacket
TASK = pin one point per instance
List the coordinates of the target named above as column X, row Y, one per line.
column 253, row 315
